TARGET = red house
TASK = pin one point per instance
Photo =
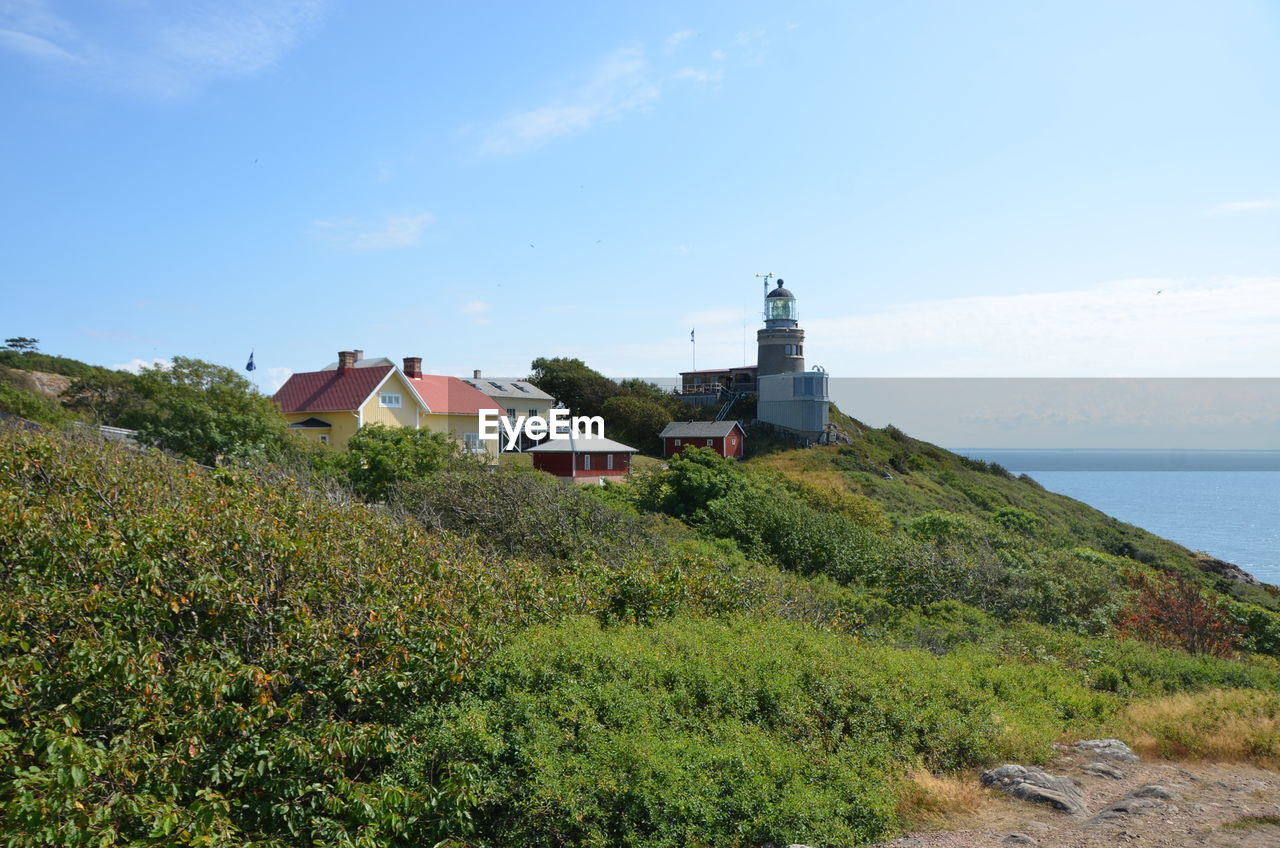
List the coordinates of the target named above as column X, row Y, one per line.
column 726, row 437
column 583, row 459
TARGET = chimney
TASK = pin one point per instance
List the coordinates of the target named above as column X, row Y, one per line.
column 346, row 359
column 359, row 355
column 413, row 366
column 475, row 374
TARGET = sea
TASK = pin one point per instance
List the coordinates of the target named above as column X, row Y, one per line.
column 1223, row 503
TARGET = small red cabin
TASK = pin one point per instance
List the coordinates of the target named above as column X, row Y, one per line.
column 583, row 459
column 727, row 438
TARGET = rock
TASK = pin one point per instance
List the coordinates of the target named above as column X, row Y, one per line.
column 1155, row 790
column 1037, row 786
column 1037, row 826
column 1111, row 749
column 1019, row 839
column 1103, row 770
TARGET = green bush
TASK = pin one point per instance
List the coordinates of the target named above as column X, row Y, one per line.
column 748, row 732
column 196, row 657
column 30, row 405
column 379, row 459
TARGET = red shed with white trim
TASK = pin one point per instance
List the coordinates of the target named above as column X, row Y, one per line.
column 727, row 438
column 583, row 459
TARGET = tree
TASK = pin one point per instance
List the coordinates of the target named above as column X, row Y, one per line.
column 204, row 411
column 636, row 421
column 107, row 397
column 570, row 381
column 22, row 344
column 1176, row 611
column 378, row 458
column 695, row 477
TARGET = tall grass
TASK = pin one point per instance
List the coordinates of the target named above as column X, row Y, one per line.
column 1220, row 725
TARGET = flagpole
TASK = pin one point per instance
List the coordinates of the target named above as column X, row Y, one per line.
column 694, row 344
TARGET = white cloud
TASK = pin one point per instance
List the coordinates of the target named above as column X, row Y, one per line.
column 678, row 38
column 1130, row 328
column 163, row 50
column 620, row 84
column 718, row 55
column 1244, row 207
column 395, row 232
column 136, row 364
column 277, row 377
column 34, row 46
column 700, row 75
column 478, row 310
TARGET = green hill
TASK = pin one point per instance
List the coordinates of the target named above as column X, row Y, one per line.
column 717, row 653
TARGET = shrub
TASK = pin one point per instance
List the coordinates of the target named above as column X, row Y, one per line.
column 1176, row 611
column 379, row 459
column 745, row 733
column 30, row 405
column 197, row 657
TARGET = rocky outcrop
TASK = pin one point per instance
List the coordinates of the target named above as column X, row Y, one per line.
column 1037, row 786
column 1103, row 770
column 1225, row 569
column 1110, row 749
column 1143, row 800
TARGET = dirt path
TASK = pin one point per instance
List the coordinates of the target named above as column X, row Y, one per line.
column 1220, row 806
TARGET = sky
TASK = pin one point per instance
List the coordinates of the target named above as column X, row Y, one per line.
column 979, row 189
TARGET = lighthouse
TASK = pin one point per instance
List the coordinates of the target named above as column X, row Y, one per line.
column 781, row 341
column 789, row 397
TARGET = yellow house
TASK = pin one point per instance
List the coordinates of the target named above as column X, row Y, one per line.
column 331, row 404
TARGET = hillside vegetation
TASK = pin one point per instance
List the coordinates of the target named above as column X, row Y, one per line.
column 394, row 646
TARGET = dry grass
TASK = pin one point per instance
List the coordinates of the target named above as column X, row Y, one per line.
column 940, row 800
column 1231, row 725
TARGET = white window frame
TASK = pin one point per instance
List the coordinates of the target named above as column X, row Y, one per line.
column 471, row 441
column 677, row 444
column 390, row 400
column 608, row 462
column 586, row 462
column 709, row 441
column 324, row 438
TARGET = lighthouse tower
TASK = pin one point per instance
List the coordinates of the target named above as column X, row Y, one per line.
column 781, row 342
column 788, row 396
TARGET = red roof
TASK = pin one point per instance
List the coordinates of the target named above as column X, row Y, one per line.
column 329, row 391
column 449, row 395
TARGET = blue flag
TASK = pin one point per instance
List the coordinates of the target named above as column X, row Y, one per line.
column 249, row 366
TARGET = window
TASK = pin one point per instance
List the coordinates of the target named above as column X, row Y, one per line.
column 533, row 412
column 472, row 443
column 677, row 443
column 511, row 413
column 708, row 443
column 388, row 399
column 586, row 462
column 324, row 438
column 608, row 462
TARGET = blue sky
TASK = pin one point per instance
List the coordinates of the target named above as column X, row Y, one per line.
column 951, row 189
